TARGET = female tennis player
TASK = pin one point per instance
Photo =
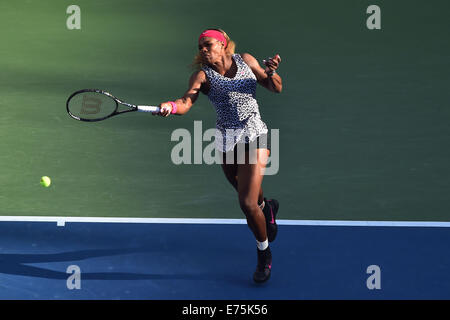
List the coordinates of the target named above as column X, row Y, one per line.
column 229, row 80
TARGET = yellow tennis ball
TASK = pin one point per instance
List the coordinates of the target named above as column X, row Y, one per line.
column 45, row 181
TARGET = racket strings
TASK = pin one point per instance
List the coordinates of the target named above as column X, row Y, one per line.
column 91, row 105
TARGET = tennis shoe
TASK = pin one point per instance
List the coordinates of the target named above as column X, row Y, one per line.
column 264, row 266
column 270, row 212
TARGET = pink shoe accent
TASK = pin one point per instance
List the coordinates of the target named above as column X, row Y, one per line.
column 270, row 266
column 271, row 214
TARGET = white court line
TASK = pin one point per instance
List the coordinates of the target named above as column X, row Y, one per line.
column 60, row 221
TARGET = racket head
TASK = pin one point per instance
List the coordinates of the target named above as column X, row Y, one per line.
column 91, row 105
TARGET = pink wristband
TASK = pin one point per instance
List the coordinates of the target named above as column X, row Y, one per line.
column 174, row 107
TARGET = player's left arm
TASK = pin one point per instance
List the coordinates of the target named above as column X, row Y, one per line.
column 267, row 77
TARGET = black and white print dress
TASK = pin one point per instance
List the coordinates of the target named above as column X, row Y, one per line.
column 238, row 118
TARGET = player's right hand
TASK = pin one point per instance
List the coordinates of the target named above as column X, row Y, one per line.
column 165, row 109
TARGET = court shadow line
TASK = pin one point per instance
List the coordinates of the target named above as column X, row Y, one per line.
column 17, row 264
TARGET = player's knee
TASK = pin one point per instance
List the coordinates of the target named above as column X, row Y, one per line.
column 248, row 206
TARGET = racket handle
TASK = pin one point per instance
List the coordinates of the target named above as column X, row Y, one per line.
column 148, row 108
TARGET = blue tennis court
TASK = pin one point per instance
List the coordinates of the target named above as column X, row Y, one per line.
column 215, row 261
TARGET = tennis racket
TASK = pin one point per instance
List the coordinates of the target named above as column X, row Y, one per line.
column 96, row 105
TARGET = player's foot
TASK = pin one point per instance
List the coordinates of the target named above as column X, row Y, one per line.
column 264, row 266
column 270, row 212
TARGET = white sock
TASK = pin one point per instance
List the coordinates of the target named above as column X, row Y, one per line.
column 262, row 245
column 261, row 206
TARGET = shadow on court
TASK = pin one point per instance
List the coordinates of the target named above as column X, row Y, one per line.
column 189, row 261
column 16, row 264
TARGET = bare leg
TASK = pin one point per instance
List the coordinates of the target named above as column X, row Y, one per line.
column 247, row 180
column 230, row 171
column 250, row 178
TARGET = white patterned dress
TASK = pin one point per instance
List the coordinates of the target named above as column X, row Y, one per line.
column 238, row 118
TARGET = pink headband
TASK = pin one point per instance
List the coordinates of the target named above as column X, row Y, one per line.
column 214, row 34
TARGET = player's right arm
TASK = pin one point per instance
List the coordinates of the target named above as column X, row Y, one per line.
column 197, row 80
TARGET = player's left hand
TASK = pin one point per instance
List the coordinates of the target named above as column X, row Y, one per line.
column 272, row 63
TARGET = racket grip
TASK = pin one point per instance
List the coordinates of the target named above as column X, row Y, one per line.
column 148, row 108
